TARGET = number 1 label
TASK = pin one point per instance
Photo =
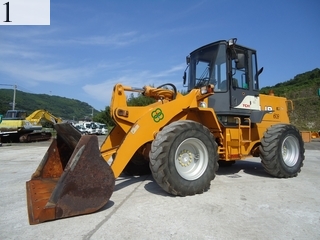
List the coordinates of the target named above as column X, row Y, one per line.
column 24, row 12
column 7, row 12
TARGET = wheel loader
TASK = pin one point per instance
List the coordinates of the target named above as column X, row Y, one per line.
column 180, row 138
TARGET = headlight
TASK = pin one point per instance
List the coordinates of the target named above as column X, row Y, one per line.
column 202, row 104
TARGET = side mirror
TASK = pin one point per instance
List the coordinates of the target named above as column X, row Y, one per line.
column 241, row 61
column 184, row 78
column 260, row 71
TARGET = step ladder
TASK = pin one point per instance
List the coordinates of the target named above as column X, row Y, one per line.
column 241, row 140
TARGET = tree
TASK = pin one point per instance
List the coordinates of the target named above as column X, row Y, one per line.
column 104, row 117
column 140, row 100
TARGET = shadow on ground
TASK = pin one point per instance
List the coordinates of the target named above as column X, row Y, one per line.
column 248, row 167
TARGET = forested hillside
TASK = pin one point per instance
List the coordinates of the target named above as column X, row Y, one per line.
column 66, row 108
column 303, row 90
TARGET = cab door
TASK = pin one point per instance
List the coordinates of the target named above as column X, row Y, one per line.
column 244, row 89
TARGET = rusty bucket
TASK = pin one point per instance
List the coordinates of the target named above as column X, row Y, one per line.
column 72, row 178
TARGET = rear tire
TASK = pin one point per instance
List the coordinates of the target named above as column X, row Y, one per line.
column 184, row 158
column 282, row 151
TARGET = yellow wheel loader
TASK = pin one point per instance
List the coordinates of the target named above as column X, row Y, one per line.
column 181, row 139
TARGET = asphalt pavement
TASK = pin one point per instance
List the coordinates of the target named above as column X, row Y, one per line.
column 243, row 203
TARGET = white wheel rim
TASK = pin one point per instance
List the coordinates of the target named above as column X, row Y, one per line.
column 191, row 158
column 290, row 150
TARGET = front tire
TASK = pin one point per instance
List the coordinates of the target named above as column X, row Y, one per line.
column 282, row 151
column 184, row 158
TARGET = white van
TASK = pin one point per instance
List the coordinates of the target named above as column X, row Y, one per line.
column 91, row 128
column 103, row 128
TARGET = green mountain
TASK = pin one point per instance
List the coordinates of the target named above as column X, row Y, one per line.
column 65, row 108
column 303, row 91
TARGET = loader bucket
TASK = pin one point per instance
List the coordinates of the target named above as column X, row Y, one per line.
column 72, row 178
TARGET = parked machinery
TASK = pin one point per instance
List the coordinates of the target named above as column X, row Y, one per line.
column 18, row 126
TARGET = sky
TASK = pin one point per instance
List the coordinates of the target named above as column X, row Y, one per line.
column 90, row 46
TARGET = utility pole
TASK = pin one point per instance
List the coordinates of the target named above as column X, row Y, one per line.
column 14, row 94
column 92, row 114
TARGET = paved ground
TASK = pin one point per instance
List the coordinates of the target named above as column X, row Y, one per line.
column 243, row 203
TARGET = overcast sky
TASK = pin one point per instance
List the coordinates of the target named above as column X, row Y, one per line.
column 91, row 45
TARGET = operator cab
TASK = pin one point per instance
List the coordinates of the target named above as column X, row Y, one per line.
column 232, row 69
column 15, row 115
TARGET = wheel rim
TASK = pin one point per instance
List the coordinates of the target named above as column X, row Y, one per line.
column 191, row 159
column 290, row 150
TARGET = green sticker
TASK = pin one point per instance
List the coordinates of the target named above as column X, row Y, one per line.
column 157, row 115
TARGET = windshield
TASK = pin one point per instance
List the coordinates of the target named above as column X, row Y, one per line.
column 15, row 114
column 208, row 66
